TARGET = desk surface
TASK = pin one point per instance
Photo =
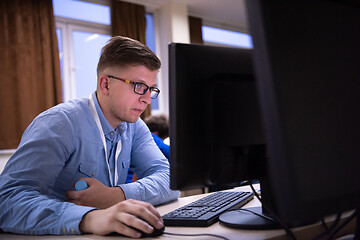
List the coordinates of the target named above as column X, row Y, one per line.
column 306, row 232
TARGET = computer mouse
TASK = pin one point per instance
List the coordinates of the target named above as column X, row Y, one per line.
column 155, row 233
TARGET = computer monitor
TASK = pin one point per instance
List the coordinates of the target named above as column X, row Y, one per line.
column 307, row 78
column 215, row 123
column 306, row 59
column 216, row 134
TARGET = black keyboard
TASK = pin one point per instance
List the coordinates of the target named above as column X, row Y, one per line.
column 206, row 210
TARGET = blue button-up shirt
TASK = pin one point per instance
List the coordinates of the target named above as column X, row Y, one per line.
column 62, row 145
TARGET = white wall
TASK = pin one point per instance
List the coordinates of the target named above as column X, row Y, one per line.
column 172, row 24
column 4, row 157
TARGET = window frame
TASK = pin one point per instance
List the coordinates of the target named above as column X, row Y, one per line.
column 67, row 26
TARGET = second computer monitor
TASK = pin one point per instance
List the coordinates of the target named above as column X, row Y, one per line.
column 216, row 135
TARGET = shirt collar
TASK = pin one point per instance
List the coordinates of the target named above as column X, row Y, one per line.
column 109, row 132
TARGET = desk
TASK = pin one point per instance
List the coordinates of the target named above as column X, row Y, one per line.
column 306, row 232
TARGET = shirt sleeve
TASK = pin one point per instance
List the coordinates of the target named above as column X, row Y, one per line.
column 26, row 207
column 151, row 167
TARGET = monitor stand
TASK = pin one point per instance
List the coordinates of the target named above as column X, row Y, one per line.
column 248, row 218
column 254, row 218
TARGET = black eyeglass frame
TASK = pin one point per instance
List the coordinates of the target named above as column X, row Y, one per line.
column 154, row 91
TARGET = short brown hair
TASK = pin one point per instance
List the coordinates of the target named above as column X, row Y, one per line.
column 126, row 51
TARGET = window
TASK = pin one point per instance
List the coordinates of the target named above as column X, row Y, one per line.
column 83, row 28
column 150, row 42
column 218, row 36
column 87, row 46
column 84, row 11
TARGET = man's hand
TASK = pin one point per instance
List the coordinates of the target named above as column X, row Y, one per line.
column 120, row 217
column 96, row 195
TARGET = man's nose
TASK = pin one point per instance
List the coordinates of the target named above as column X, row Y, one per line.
column 146, row 98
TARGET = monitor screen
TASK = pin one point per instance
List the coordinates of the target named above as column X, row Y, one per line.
column 216, row 134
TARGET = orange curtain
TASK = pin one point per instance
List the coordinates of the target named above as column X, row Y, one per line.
column 29, row 66
column 128, row 20
column 195, row 26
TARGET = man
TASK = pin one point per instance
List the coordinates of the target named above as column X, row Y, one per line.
column 96, row 140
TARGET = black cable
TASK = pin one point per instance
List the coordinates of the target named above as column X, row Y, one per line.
column 255, row 213
column 276, row 219
column 196, row 235
column 323, row 223
column 328, row 229
column 356, row 213
column 357, row 228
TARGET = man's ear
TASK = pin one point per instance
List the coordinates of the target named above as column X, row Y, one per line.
column 104, row 85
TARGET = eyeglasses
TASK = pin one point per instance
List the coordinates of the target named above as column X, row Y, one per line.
column 140, row 88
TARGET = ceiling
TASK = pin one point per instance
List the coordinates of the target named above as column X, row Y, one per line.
column 226, row 13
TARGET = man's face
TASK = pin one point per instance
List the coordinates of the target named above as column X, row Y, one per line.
column 120, row 103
